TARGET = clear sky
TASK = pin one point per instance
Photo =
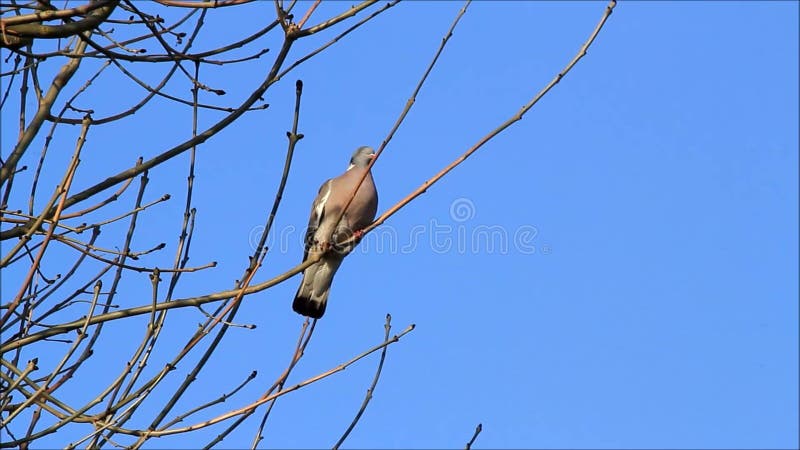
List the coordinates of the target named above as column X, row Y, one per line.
column 641, row 286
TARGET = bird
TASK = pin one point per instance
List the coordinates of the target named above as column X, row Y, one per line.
column 323, row 233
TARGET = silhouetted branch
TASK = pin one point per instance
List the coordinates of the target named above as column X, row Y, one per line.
column 63, row 77
column 302, row 343
column 492, row 134
column 271, row 397
column 68, row 285
column 403, row 115
column 14, row 35
column 478, row 430
column 387, row 327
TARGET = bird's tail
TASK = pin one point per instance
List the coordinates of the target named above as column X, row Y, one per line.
column 312, row 295
column 307, row 305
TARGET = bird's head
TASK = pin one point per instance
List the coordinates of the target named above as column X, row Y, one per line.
column 361, row 157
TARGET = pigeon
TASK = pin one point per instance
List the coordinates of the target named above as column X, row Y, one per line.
column 321, row 237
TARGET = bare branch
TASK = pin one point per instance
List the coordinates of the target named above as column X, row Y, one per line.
column 516, row 117
column 478, row 430
column 387, row 327
column 69, row 285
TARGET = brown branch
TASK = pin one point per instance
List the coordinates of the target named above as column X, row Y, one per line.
column 334, row 20
column 221, row 399
column 26, row 219
column 122, row 265
column 151, row 332
column 112, row 198
column 402, row 117
column 308, row 13
column 90, row 246
column 64, row 359
column 184, row 243
column 294, row 137
column 5, row 397
column 184, row 239
column 255, row 288
column 518, row 116
column 45, row 295
column 261, row 401
column 153, row 91
column 203, row 4
column 174, row 151
column 54, row 14
column 69, row 300
column 387, row 327
column 10, row 82
column 54, row 220
column 63, row 190
column 140, row 208
column 292, row 35
column 300, row 348
column 97, row 54
column 233, row 306
column 199, row 300
column 135, row 311
column 77, row 415
column 49, row 136
column 28, row 382
column 335, row 39
column 12, row 33
column 230, row 309
column 61, row 80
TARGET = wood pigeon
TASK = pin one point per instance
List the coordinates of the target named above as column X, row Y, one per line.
column 312, row 295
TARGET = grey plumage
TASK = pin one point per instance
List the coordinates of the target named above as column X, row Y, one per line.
column 312, row 295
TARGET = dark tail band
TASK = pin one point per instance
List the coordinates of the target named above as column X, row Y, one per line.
column 308, row 307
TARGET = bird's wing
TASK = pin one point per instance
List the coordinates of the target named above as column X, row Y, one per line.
column 317, row 214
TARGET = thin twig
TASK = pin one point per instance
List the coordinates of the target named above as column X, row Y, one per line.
column 387, row 327
column 221, row 399
column 294, row 137
column 5, row 397
column 478, row 430
column 231, row 309
column 334, row 20
column 223, row 295
column 308, row 13
column 299, row 351
column 268, row 398
column 516, row 117
column 63, row 190
column 403, row 114
column 64, row 359
column 112, row 198
column 178, row 149
column 335, row 39
column 63, row 77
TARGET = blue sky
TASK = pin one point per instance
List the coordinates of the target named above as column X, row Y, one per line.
column 647, row 294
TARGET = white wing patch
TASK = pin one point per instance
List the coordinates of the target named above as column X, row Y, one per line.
column 320, row 207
